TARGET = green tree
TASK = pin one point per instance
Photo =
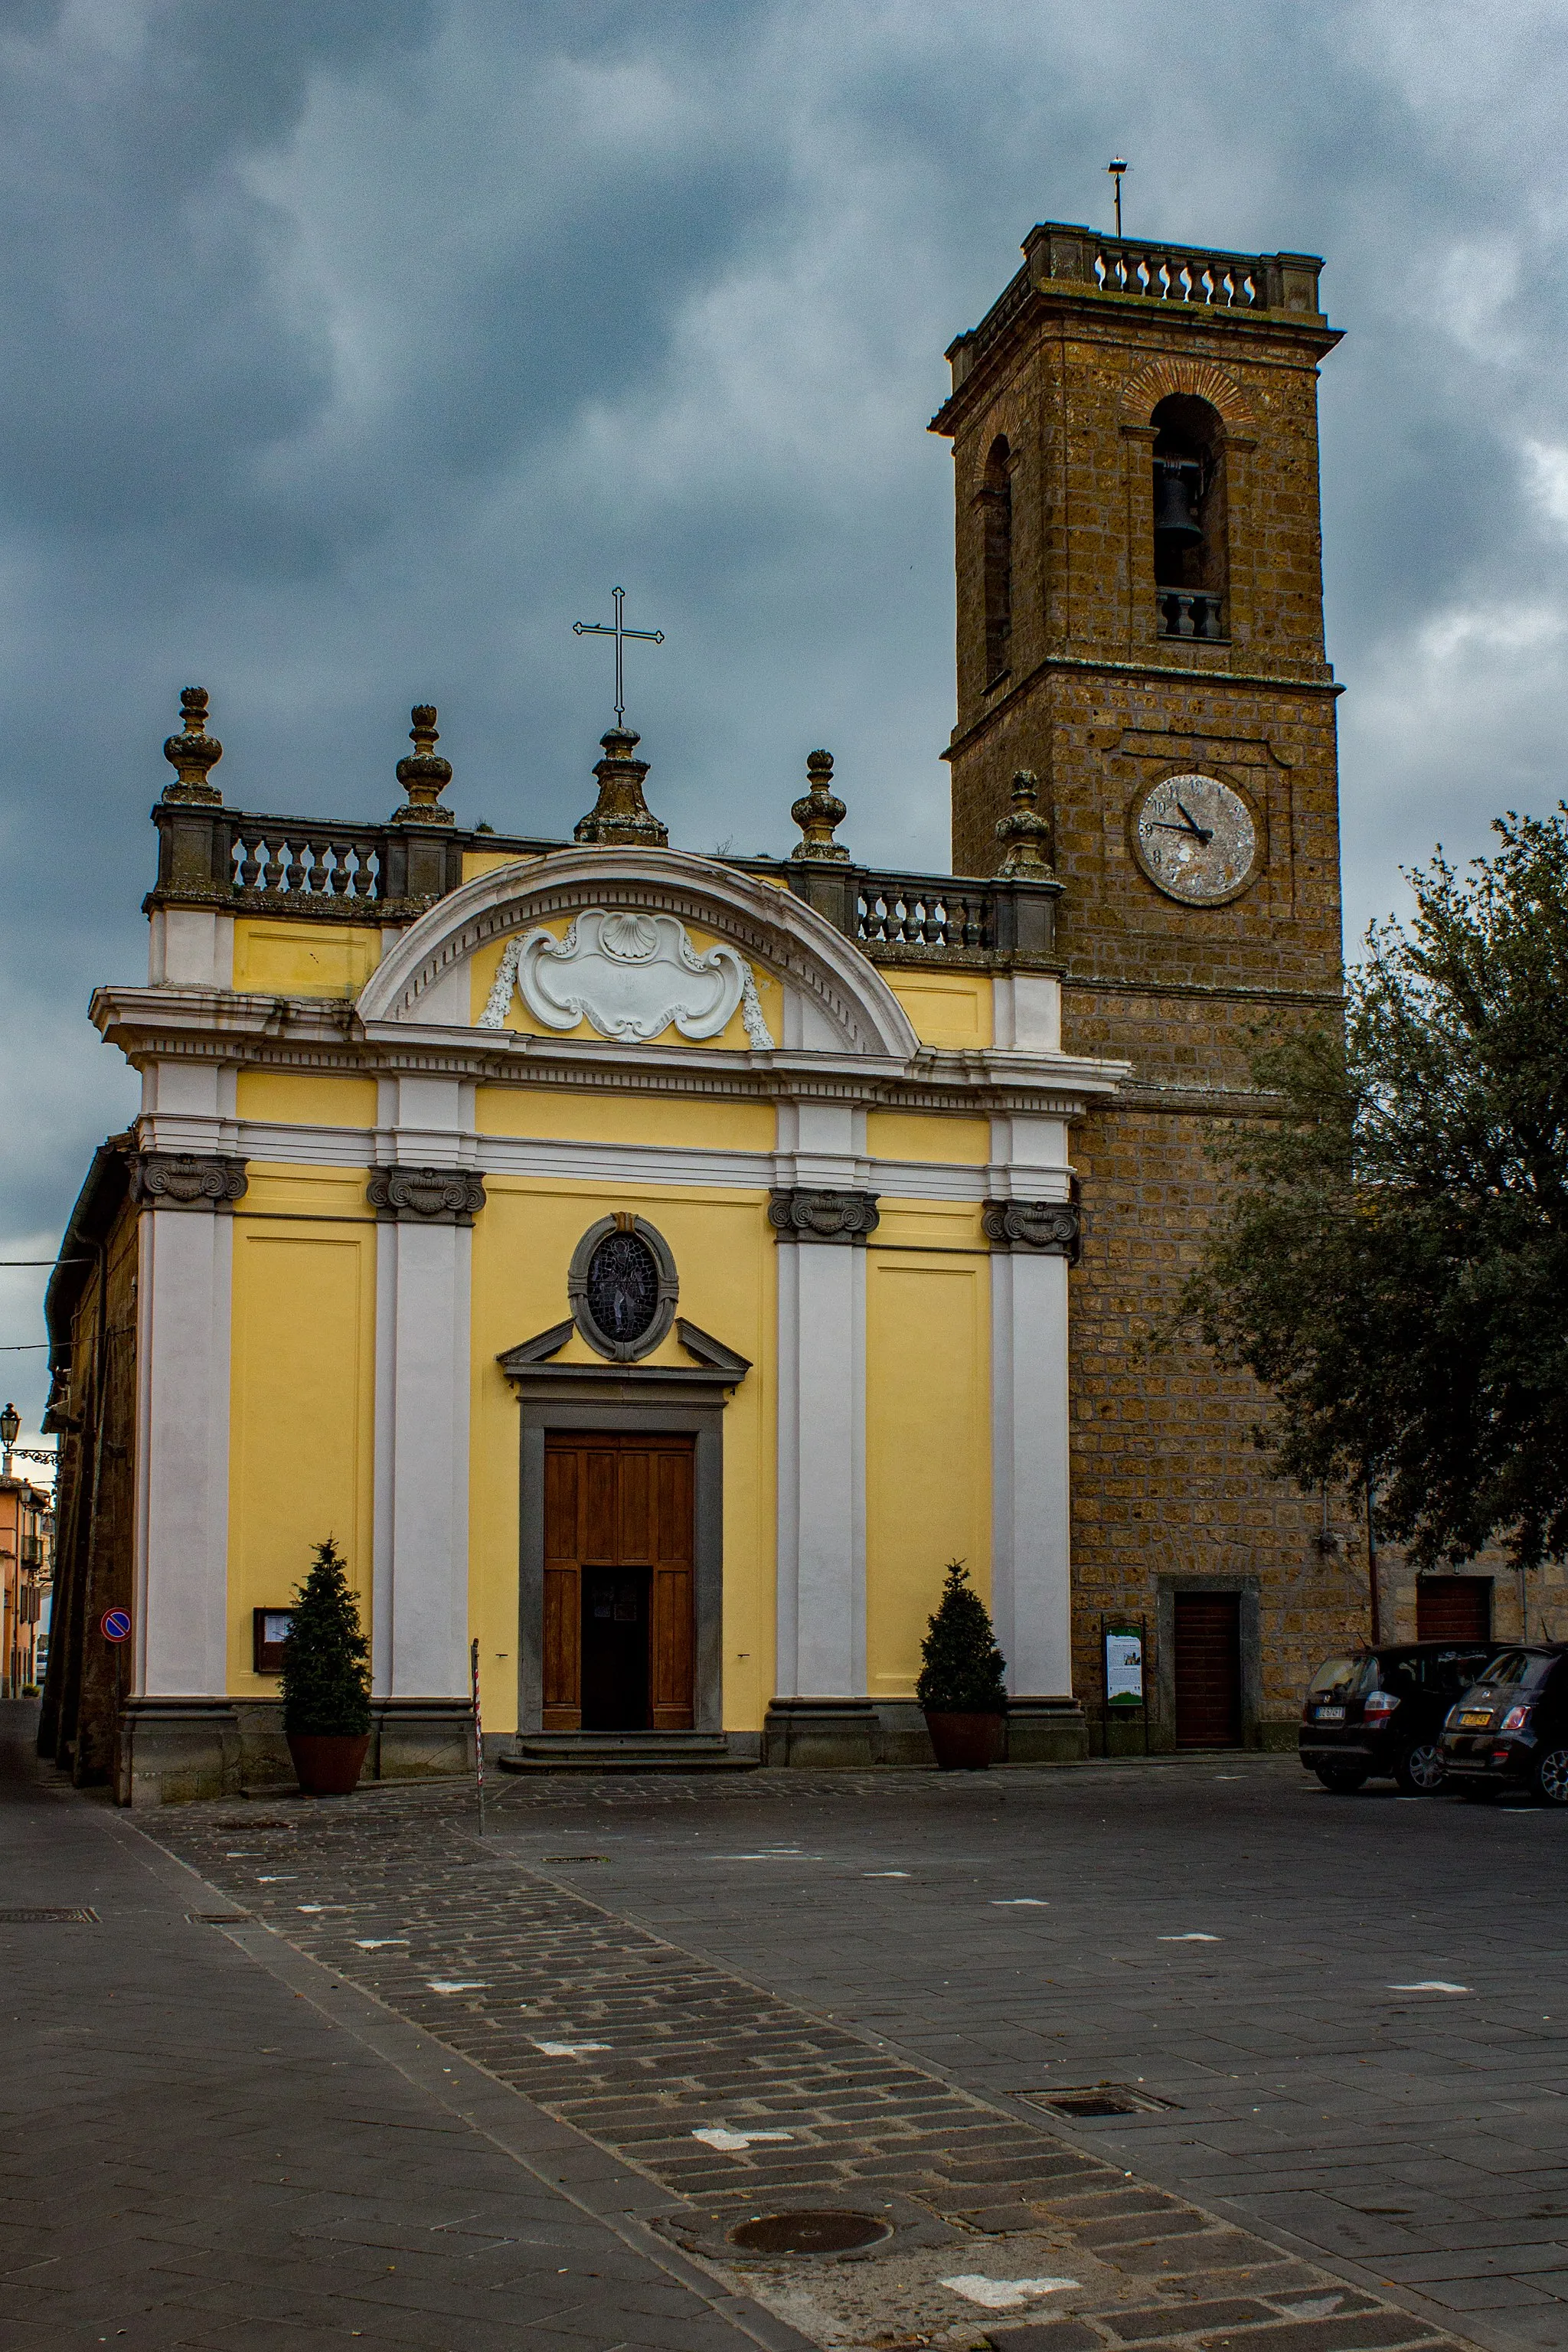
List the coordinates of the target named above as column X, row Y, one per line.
column 326, row 1669
column 962, row 1670
column 1392, row 1261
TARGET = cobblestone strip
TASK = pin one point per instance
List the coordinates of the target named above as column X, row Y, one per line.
column 739, row 2103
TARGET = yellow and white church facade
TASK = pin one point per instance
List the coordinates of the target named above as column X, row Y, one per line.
column 650, row 1267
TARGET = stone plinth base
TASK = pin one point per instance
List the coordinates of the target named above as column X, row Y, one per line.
column 823, row 1735
column 176, row 1751
column 1045, row 1731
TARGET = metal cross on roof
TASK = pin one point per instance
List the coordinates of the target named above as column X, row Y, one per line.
column 620, row 633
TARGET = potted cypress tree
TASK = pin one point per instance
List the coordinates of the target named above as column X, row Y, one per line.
column 326, row 1680
column 961, row 1685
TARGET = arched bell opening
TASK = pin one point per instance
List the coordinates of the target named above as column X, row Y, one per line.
column 1192, row 567
column 997, row 528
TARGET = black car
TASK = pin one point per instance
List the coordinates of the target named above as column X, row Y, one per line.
column 1381, row 1713
column 1511, row 1731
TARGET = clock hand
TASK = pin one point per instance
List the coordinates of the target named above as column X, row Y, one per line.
column 1193, row 827
column 1158, row 824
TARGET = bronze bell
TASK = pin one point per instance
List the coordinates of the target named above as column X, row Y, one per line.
column 1177, row 485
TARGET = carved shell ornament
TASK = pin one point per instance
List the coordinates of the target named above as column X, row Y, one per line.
column 630, row 976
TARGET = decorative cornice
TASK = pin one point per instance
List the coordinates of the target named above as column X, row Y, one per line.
column 426, row 1196
column 186, row 1180
column 1048, row 1228
column 800, row 1214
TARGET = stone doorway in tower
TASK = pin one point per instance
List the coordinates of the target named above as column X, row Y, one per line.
column 619, row 1626
column 1208, row 1669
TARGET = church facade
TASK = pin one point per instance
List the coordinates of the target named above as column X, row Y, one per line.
column 653, row 1268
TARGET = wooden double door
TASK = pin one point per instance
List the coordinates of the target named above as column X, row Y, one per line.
column 619, row 1588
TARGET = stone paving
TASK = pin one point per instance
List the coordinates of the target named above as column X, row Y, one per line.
column 735, row 2099
column 1016, row 1931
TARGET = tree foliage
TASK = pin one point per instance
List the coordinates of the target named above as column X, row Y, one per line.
column 326, row 1670
column 1393, row 1264
column 962, row 1668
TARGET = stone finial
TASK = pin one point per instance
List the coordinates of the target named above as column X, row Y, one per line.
column 1023, row 832
column 819, row 812
column 193, row 753
column 620, row 813
column 424, row 775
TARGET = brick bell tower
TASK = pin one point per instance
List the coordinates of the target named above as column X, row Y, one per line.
column 1140, row 625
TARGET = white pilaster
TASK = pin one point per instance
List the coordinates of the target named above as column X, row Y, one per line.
column 821, row 1574
column 1031, row 1559
column 184, row 1280
column 1031, row 1601
column 420, row 1616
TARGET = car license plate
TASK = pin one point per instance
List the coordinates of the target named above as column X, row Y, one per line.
column 1473, row 1722
column 1330, row 1714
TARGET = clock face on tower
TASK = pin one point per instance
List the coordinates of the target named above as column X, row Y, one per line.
column 1196, row 840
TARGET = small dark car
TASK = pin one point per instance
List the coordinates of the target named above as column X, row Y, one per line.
column 1380, row 1713
column 1511, row 1731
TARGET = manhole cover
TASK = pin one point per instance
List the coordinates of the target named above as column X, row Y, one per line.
column 809, row 2233
column 1100, row 2099
column 55, row 1915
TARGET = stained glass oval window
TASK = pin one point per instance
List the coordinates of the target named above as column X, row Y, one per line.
column 623, row 1286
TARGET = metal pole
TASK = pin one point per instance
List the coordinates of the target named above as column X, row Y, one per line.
column 479, row 1732
column 1372, row 1564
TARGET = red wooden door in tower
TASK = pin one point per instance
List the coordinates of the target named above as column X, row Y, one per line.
column 1208, row 1669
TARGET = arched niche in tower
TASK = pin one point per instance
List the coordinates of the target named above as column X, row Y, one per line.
column 996, row 557
column 1192, row 554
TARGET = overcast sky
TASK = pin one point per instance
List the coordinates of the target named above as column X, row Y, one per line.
column 352, row 349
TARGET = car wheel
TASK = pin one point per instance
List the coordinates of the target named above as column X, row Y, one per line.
column 1421, row 1772
column 1342, row 1780
column 1552, row 1777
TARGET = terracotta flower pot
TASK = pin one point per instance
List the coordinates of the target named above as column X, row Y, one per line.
column 328, row 1763
column 965, row 1743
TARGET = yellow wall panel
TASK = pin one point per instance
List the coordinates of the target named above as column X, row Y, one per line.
column 946, row 1008
column 289, row 1189
column 303, row 1404
column 306, row 1099
column 483, row 967
column 557, row 1115
column 304, row 959
column 485, row 861
column 927, row 1452
column 724, row 1257
column 922, row 1134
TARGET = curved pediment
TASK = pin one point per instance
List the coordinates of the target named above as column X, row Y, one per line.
column 633, row 946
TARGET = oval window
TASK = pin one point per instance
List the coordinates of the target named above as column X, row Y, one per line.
column 623, row 1286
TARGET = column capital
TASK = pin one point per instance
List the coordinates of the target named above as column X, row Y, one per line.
column 801, row 1214
column 1051, row 1228
column 426, row 1196
column 186, row 1180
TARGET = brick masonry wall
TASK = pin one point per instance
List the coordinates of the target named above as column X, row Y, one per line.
column 1167, row 1482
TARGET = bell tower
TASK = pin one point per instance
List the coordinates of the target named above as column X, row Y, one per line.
column 1140, row 625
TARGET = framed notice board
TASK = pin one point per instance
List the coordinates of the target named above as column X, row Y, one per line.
column 1123, row 1658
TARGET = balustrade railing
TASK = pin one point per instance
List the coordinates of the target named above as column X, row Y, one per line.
column 1172, row 273
column 287, row 861
column 1191, row 613
column 909, row 910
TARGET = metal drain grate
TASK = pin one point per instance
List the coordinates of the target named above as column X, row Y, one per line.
column 813, row 2232
column 51, row 1915
column 573, row 1857
column 1100, row 2099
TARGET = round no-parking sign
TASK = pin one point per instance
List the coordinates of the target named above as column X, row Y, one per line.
column 115, row 1624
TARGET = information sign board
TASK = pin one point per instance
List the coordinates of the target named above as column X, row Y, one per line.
column 1123, row 1665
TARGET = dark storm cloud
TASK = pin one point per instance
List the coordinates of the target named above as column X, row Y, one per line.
column 351, row 350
